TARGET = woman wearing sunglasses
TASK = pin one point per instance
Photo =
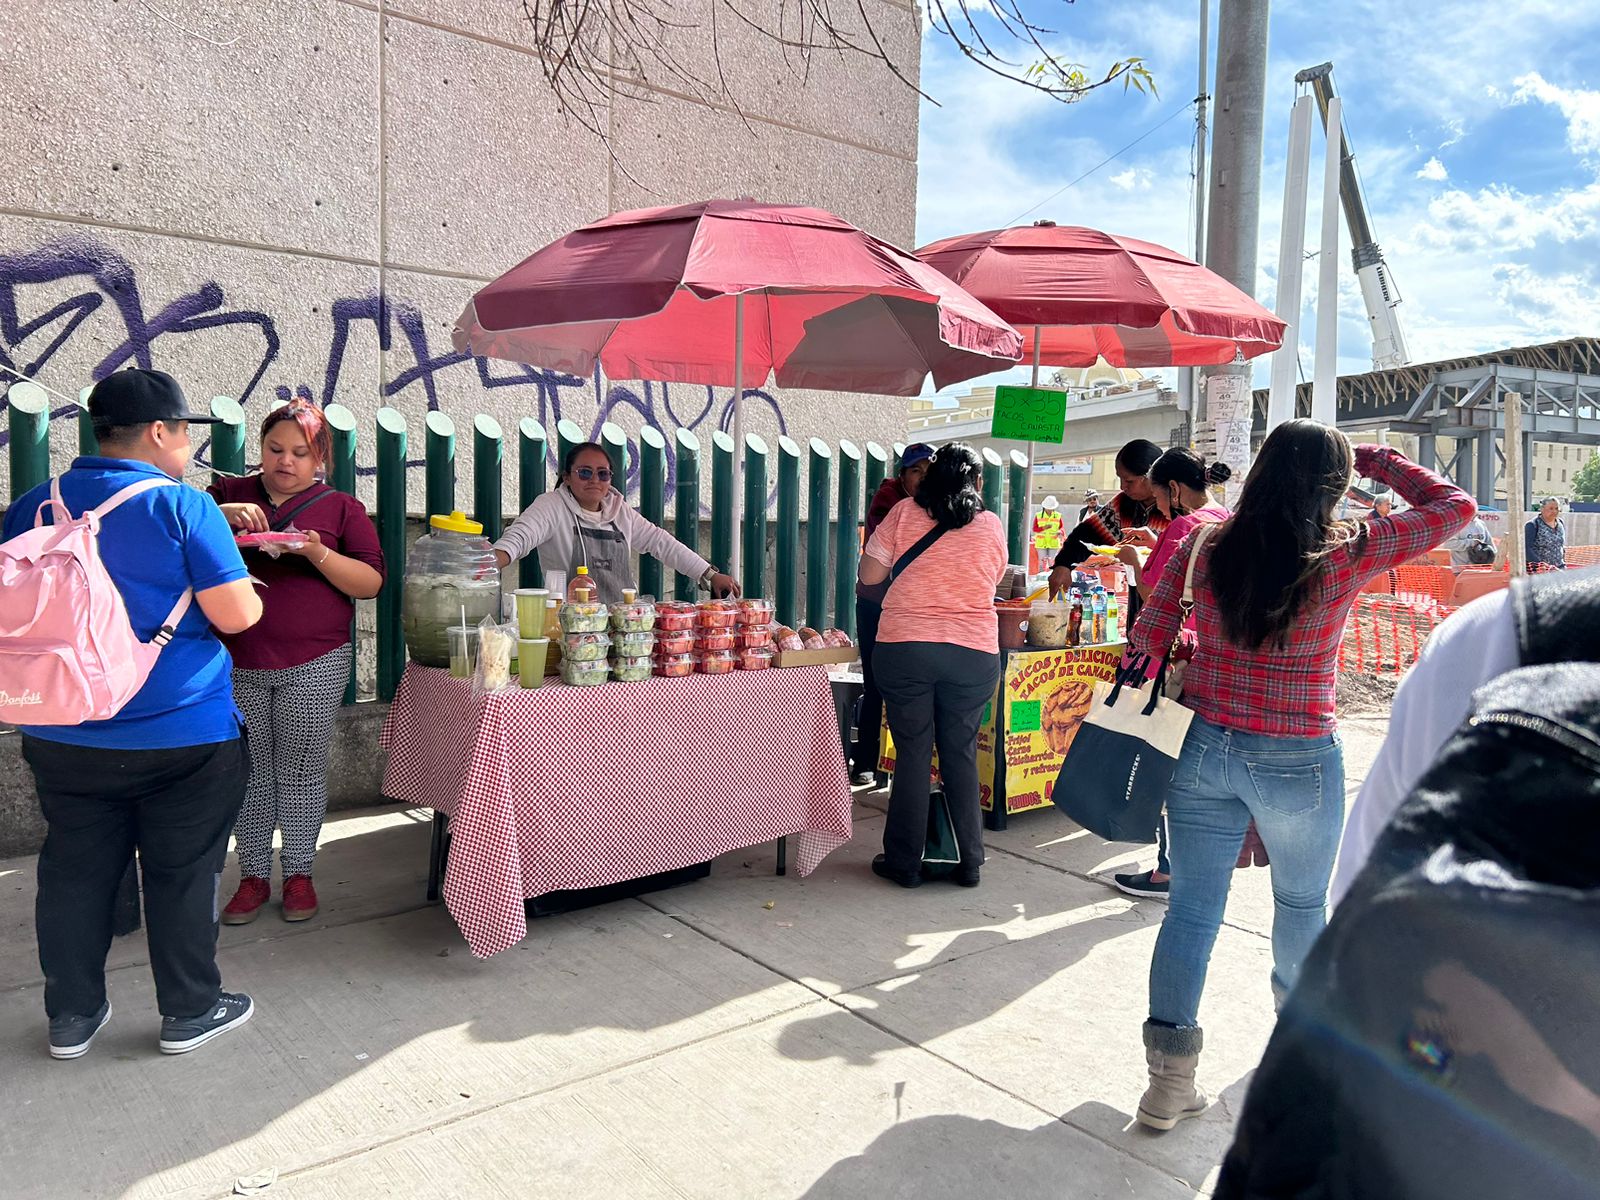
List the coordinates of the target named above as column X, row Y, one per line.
column 586, row 522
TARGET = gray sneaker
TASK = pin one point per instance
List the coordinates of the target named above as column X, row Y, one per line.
column 179, row 1035
column 70, row 1037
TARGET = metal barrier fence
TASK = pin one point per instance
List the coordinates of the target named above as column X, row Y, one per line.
column 842, row 478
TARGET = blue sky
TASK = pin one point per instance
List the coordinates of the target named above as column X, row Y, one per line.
column 1476, row 128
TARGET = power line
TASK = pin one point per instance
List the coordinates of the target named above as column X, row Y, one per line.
column 1174, row 113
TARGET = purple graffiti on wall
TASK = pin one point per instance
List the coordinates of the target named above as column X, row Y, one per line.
column 29, row 340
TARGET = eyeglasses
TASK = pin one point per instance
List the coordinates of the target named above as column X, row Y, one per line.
column 603, row 474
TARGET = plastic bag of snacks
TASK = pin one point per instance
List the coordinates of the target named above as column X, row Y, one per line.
column 786, row 638
column 497, row 649
column 272, row 542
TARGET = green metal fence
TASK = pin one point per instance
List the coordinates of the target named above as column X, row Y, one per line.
column 836, row 481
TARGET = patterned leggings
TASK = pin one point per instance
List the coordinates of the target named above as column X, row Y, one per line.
column 289, row 714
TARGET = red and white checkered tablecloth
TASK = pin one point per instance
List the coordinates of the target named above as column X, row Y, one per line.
column 560, row 787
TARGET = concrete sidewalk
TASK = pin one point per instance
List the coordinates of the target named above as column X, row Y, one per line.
column 745, row 1036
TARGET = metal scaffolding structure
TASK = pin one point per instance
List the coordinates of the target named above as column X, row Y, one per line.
column 1463, row 402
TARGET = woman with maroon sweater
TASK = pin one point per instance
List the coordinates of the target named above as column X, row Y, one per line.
column 290, row 669
column 1273, row 585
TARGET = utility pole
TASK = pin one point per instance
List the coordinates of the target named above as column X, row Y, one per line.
column 1188, row 377
column 1233, row 219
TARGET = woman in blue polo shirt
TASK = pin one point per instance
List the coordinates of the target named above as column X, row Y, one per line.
column 166, row 775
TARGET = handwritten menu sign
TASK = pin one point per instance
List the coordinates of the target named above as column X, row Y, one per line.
column 1030, row 414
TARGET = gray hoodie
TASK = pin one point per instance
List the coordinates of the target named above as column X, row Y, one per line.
column 549, row 525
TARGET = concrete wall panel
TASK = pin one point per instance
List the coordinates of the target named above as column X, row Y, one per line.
column 122, row 117
column 675, row 150
column 482, row 169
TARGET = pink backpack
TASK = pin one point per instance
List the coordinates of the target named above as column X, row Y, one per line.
column 67, row 651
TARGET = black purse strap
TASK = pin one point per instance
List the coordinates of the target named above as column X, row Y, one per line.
column 286, row 517
column 914, row 552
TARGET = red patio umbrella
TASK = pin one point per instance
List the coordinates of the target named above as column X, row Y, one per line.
column 731, row 293
column 1077, row 295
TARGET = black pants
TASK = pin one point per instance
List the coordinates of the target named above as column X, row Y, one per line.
column 935, row 695
column 177, row 807
column 866, row 755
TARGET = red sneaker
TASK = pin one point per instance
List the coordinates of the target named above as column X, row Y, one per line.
column 299, row 898
column 247, row 901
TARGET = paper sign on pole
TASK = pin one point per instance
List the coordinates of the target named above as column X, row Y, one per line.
column 1030, row 415
column 1228, row 403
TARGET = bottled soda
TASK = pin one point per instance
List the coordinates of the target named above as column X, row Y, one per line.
column 1097, row 599
column 1075, row 619
column 1113, row 615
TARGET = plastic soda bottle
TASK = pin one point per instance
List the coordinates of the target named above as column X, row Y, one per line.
column 1113, row 613
column 1098, row 606
column 1075, row 619
column 581, row 589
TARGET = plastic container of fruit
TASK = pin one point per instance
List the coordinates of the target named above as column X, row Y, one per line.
column 584, row 616
column 636, row 617
column 673, row 615
column 715, row 662
column 707, row 640
column 633, row 643
column 755, row 612
column 674, row 665
column 717, row 614
column 753, row 637
column 756, row 658
column 676, row 641
column 631, row 670
column 585, row 647
column 584, row 674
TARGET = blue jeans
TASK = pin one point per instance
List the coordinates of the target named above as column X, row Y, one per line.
column 1294, row 790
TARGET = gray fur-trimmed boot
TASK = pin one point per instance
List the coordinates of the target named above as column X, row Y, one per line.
column 1172, row 1054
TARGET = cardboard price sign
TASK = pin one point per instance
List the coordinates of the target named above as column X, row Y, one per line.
column 1030, row 414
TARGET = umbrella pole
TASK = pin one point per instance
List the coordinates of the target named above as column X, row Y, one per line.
column 1027, row 491
column 732, row 567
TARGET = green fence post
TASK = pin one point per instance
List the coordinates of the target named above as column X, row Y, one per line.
column 1016, row 535
column 439, row 454
column 652, row 503
column 899, row 453
column 721, row 500
column 819, row 505
column 227, row 438
column 392, row 539
column 877, row 469
column 488, row 463
column 754, row 564
column 994, row 480
column 531, row 480
column 847, row 554
column 567, row 435
column 686, row 505
column 616, row 444
column 786, row 593
column 342, row 478
column 276, row 405
column 88, row 444
column 28, row 407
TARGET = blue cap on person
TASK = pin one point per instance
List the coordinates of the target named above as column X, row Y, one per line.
column 139, row 397
column 915, row 453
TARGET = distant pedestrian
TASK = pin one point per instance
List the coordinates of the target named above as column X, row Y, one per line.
column 1272, row 587
column 166, row 774
column 1091, row 502
column 1545, row 539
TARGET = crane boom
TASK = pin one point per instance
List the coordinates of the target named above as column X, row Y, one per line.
column 1378, row 290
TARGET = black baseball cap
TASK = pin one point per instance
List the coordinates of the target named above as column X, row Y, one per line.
column 139, row 397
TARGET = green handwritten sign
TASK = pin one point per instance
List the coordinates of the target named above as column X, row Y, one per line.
column 1030, row 414
column 1025, row 716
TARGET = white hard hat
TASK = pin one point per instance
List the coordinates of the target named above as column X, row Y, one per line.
column 1049, row 501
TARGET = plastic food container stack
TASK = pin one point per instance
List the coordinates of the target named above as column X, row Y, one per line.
column 715, row 662
column 585, row 647
column 586, row 673
column 755, row 612
column 636, row 616
column 584, row 616
column 631, row 670
column 756, row 658
column 717, row 614
column 674, row 665
column 673, row 616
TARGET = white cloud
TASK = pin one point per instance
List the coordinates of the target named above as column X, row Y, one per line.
column 1579, row 106
column 1433, row 169
column 1125, row 180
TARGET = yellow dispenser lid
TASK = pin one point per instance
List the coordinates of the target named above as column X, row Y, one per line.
column 456, row 522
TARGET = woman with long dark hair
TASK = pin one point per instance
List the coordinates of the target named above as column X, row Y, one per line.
column 1132, row 514
column 937, row 660
column 1272, row 588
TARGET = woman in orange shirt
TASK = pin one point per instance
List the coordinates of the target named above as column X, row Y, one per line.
column 937, row 659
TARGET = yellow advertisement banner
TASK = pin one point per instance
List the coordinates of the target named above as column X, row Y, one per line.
column 987, row 742
column 1046, row 694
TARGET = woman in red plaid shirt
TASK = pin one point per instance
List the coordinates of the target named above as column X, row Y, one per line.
column 1272, row 590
